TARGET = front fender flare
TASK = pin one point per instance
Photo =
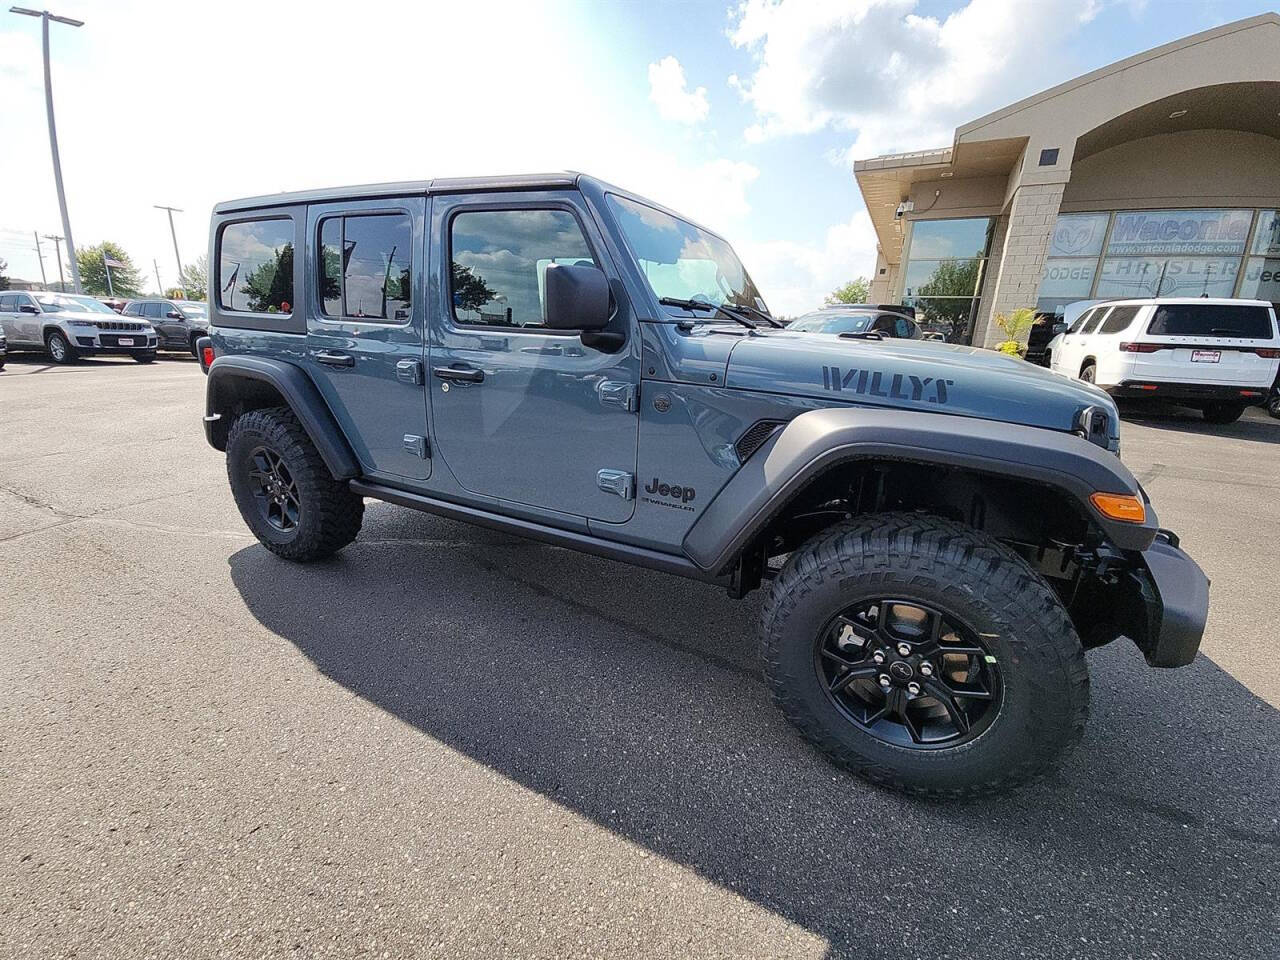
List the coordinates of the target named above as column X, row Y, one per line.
column 227, row 376
column 820, row 439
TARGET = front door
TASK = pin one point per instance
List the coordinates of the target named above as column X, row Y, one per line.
column 522, row 412
column 170, row 330
column 365, row 316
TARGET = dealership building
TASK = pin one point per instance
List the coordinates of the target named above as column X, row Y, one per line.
column 1158, row 175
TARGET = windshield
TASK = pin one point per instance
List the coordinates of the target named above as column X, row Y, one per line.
column 193, row 309
column 54, row 302
column 681, row 261
column 833, row 323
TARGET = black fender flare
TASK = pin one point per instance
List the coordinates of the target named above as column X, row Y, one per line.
column 819, row 439
column 291, row 382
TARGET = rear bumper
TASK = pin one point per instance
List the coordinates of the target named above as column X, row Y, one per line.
column 1174, row 596
column 1167, row 390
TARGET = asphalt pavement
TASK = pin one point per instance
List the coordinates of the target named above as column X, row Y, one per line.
column 450, row 742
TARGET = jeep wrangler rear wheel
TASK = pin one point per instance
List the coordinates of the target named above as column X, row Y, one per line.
column 925, row 656
column 285, row 493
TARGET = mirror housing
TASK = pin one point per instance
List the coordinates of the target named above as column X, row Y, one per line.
column 27, row 308
column 577, row 298
column 173, row 315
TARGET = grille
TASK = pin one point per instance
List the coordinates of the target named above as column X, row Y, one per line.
column 756, row 434
column 118, row 325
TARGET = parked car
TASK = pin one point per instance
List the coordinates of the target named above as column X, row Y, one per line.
column 943, row 530
column 1217, row 355
column 115, row 303
column 858, row 319
column 4, row 349
column 67, row 326
column 178, row 323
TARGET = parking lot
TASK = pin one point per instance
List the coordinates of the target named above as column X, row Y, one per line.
column 449, row 742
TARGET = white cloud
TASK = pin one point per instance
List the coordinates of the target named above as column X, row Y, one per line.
column 796, row 277
column 901, row 81
column 668, row 92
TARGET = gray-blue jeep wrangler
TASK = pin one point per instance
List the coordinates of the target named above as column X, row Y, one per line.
column 943, row 531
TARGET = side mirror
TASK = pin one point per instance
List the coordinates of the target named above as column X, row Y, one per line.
column 1059, row 328
column 174, row 315
column 577, row 298
column 27, row 308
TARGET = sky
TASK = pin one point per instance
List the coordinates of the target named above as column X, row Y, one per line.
column 747, row 116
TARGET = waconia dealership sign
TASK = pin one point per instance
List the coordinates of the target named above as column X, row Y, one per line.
column 1197, row 232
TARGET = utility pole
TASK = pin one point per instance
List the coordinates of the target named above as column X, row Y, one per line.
column 159, row 285
column 44, row 281
column 182, row 282
column 57, row 247
column 45, row 16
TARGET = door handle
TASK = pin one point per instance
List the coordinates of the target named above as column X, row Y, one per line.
column 335, row 359
column 464, row 374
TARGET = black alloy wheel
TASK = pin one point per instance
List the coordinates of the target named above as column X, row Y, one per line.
column 274, row 490
column 908, row 674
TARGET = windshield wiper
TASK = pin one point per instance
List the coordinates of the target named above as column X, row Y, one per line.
column 704, row 305
column 764, row 315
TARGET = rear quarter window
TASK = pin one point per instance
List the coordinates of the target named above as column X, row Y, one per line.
column 255, row 266
column 1211, row 320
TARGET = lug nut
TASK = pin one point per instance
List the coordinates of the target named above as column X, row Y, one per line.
column 913, row 688
column 878, row 656
column 926, row 669
column 884, row 680
column 904, row 650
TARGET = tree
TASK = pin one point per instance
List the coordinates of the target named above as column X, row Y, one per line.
column 1015, row 325
column 4, row 279
column 270, row 286
column 126, row 281
column 947, row 296
column 855, row 291
column 195, row 278
column 470, row 292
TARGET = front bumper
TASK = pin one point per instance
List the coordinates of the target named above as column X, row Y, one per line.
column 1201, row 392
column 109, row 343
column 1173, row 594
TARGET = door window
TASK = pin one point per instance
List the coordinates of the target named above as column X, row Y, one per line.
column 151, row 310
column 132, row 310
column 365, row 267
column 7, row 304
column 1118, row 319
column 499, row 260
column 1078, row 326
column 1095, row 318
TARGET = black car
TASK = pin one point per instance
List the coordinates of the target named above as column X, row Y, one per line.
column 857, row 318
column 179, row 323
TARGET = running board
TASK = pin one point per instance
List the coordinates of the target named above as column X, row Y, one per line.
column 571, row 539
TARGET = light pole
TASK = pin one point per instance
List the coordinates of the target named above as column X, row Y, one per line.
column 45, row 16
column 44, row 281
column 182, row 282
column 57, row 250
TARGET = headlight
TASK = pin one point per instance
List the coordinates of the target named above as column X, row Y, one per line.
column 82, row 323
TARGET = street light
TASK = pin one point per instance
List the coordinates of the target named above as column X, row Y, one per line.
column 182, row 281
column 45, row 16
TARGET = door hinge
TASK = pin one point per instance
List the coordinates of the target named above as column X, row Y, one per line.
column 618, row 393
column 617, row 482
column 417, row 446
column 410, row 372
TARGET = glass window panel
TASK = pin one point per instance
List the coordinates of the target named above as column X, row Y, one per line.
column 1211, row 320
column 952, row 317
column 1130, row 277
column 1266, row 239
column 1094, row 320
column 499, row 262
column 1068, row 278
column 377, row 257
column 1118, row 319
column 1078, row 235
column 255, row 266
column 1261, row 279
column 943, row 278
column 1166, row 232
column 329, row 266
column 945, row 239
column 1199, row 277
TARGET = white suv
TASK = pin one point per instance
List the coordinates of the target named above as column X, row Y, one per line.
column 1217, row 355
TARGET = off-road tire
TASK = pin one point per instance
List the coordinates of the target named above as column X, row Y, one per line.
column 1045, row 681
column 62, row 351
column 1222, row 412
column 330, row 514
column 148, row 357
column 1089, row 373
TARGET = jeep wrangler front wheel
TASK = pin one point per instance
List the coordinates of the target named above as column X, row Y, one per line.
column 924, row 655
column 285, row 493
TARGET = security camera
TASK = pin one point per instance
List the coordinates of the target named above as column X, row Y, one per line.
column 905, row 207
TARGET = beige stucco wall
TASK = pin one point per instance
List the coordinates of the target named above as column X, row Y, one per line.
column 1194, row 168
column 957, row 197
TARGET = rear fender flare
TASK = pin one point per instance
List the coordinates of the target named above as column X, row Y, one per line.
column 820, row 439
column 225, row 391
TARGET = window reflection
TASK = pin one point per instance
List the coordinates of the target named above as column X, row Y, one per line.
column 255, row 266
column 499, row 263
column 945, row 267
column 365, row 266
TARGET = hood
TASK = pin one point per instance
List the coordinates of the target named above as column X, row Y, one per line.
column 91, row 316
column 913, row 374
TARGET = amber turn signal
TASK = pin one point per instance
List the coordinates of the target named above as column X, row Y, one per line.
column 1120, row 506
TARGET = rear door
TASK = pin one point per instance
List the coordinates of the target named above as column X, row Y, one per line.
column 365, row 321
column 8, row 315
column 29, row 326
column 1212, row 343
column 172, row 331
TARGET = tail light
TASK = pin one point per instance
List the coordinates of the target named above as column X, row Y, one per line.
column 1140, row 347
column 1268, row 353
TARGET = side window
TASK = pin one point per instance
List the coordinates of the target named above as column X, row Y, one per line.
column 131, row 310
column 903, row 328
column 499, row 261
column 255, row 266
column 23, row 300
column 7, row 304
column 1095, row 318
column 151, row 310
column 1078, row 326
column 1118, row 319
column 365, row 267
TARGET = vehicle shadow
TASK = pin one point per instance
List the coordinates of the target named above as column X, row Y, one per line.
column 634, row 699
column 1255, row 425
